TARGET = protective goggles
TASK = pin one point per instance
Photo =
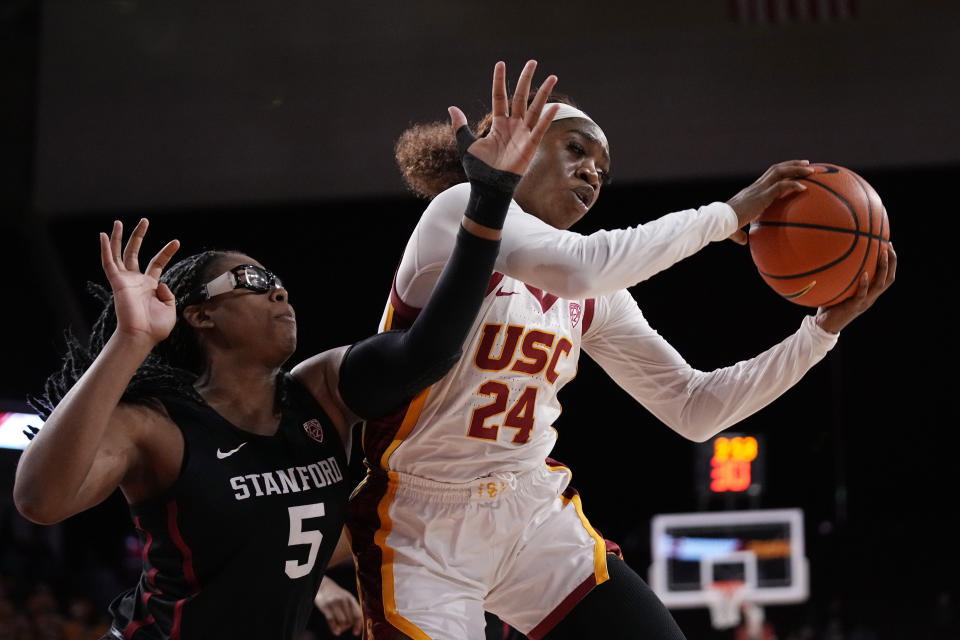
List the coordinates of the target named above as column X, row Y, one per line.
column 244, row 276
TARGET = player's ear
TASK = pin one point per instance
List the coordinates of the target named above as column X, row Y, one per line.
column 197, row 317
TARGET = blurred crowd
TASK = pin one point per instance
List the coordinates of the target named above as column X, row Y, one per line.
column 56, row 584
column 42, row 614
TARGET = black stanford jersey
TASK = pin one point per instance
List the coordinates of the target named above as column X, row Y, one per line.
column 237, row 547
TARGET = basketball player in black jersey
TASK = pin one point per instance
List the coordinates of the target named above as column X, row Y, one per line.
column 234, row 468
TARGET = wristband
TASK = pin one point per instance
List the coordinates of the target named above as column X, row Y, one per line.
column 490, row 189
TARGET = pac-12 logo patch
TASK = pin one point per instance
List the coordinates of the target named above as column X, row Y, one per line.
column 313, row 429
column 576, row 311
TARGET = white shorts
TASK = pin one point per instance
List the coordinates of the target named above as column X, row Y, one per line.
column 431, row 557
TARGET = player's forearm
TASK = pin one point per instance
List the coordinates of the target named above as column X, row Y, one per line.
column 55, row 465
column 721, row 398
column 481, row 231
column 381, row 372
column 575, row 266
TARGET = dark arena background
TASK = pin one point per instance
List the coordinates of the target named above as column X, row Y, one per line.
column 268, row 127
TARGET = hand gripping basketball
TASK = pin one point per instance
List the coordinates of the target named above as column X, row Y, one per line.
column 776, row 182
column 813, row 247
column 835, row 318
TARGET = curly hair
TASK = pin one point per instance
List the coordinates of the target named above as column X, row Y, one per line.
column 427, row 155
column 172, row 366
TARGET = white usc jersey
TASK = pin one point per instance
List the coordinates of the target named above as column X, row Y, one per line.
column 557, row 292
column 494, row 411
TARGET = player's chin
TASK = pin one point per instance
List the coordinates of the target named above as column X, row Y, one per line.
column 572, row 217
column 285, row 339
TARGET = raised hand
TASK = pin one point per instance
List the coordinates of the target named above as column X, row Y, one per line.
column 836, row 317
column 146, row 308
column 517, row 128
column 776, row 182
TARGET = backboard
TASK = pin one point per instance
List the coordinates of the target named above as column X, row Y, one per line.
column 694, row 552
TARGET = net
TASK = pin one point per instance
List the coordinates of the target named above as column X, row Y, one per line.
column 725, row 599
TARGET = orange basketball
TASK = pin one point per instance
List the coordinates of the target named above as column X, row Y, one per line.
column 811, row 247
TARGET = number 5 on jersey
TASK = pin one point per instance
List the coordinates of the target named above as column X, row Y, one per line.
column 299, row 535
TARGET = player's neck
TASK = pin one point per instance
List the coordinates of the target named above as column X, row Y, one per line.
column 247, row 398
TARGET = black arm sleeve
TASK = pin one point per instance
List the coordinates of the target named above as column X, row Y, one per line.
column 380, row 373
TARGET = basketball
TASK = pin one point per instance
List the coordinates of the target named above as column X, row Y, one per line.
column 811, row 247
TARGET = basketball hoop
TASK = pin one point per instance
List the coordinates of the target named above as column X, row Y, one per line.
column 724, row 599
column 734, row 563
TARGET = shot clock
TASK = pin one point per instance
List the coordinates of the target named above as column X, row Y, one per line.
column 731, row 464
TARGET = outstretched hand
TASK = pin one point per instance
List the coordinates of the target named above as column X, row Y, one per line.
column 146, row 308
column 836, row 317
column 517, row 128
column 776, row 182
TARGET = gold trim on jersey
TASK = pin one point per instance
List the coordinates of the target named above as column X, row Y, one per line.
column 410, row 419
column 388, row 318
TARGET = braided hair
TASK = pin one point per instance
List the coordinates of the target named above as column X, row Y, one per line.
column 427, row 155
column 172, row 366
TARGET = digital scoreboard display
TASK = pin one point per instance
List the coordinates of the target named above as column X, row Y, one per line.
column 731, row 463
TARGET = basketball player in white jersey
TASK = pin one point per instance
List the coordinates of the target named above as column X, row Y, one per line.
column 462, row 509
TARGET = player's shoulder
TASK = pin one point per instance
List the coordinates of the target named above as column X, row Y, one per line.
column 318, row 378
column 320, row 373
column 616, row 306
column 449, row 202
column 441, row 218
column 457, row 191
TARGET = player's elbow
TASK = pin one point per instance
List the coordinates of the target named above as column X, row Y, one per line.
column 694, row 434
column 37, row 499
column 700, row 426
column 36, row 507
column 430, row 370
column 698, row 419
column 575, row 283
column 708, row 410
column 689, row 430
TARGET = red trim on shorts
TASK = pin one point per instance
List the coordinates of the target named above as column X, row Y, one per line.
column 188, row 572
column 133, row 627
column 363, row 520
column 612, row 547
column 585, row 587
column 562, row 609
